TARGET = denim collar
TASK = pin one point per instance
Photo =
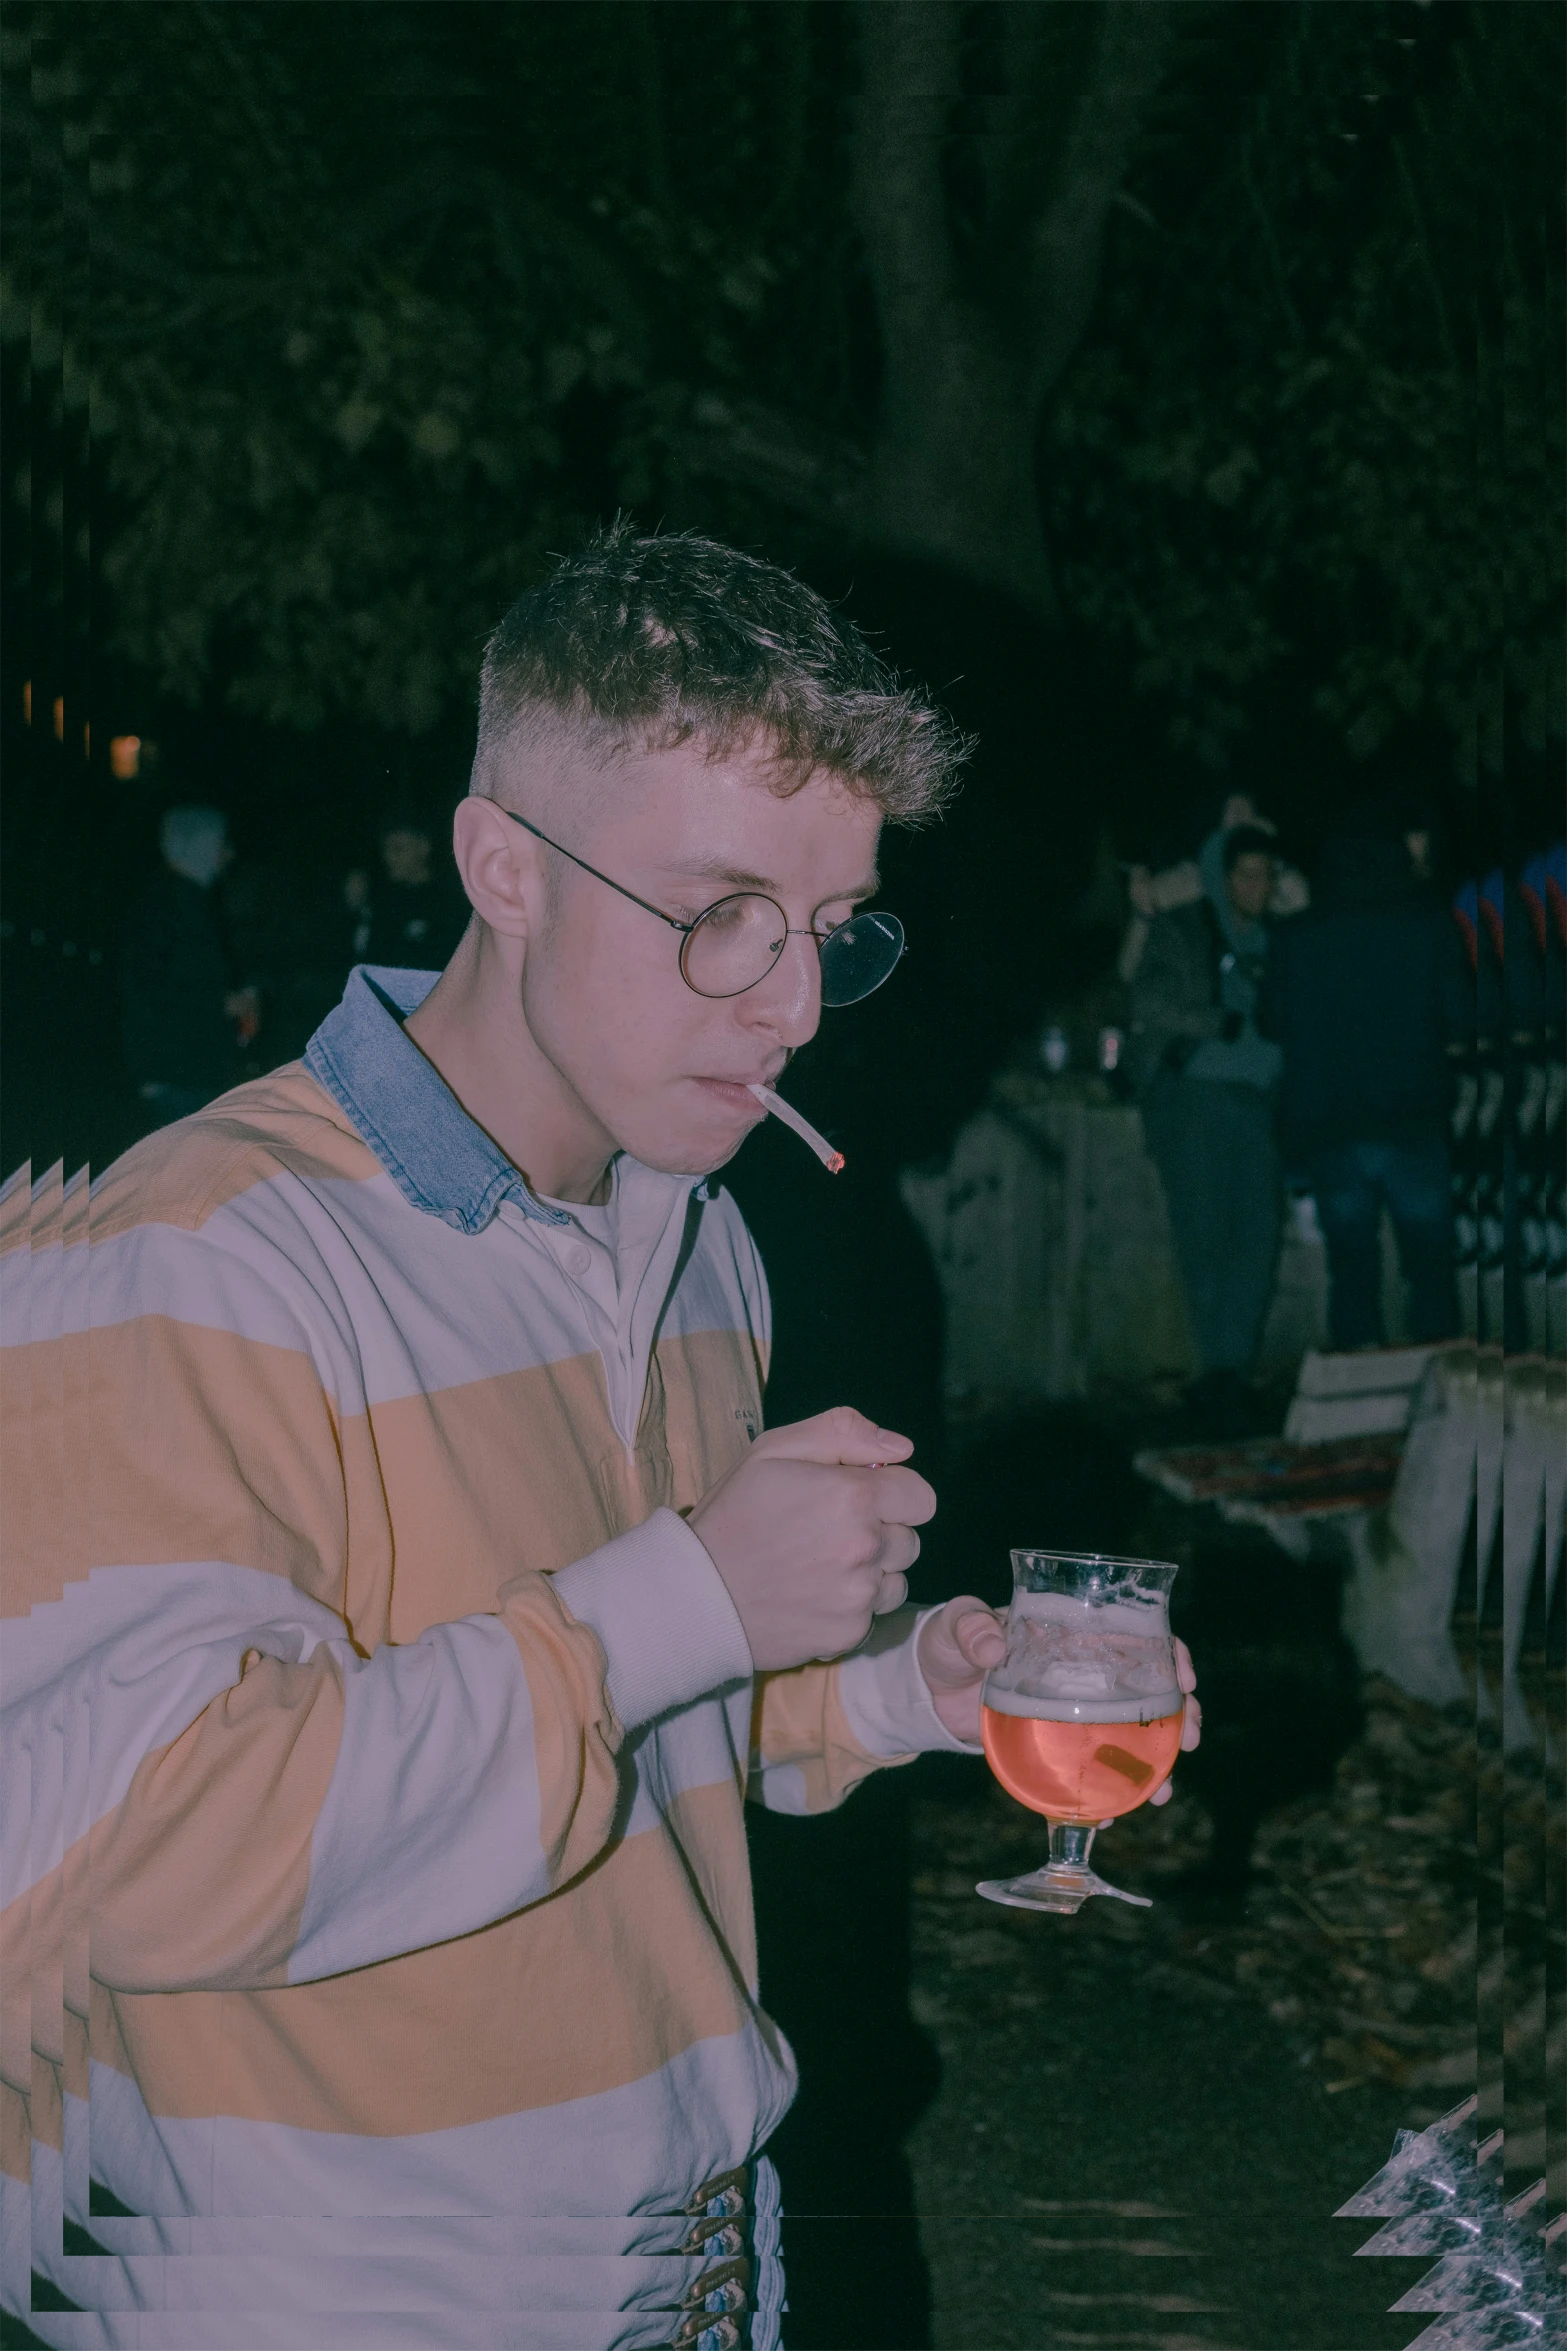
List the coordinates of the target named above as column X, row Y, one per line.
column 438, row 1159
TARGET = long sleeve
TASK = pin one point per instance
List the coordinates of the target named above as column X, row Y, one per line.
column 324, row 1811
column 885, row 1695
column 1173, row 1003
column 820, row 1730
column 374, row 1743
column 1169, row 997
column 270, row 1796
column 805, row 1756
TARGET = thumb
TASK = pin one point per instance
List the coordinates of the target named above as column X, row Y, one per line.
column 839, row 1438
column 961, row 1643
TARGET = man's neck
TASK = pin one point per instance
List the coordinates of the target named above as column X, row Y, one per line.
column 472, row 1029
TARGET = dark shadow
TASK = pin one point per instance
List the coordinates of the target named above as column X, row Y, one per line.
column 832, row 1910
column 1281, row 1687
column 857, row 1319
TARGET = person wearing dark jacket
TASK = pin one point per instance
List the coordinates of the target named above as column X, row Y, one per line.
column 181, row 1013
column 1205, row 1077
column 412, row 913
column 1369, row 998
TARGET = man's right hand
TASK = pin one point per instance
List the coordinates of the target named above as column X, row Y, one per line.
column 813, row 1540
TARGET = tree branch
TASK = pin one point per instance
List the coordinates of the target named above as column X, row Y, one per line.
column 909, row 53
column 1066, row 243
column 785, row 458
column 1045, row 56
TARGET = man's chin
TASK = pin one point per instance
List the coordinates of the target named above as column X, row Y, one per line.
column 688, row 1162
column 687, row 1155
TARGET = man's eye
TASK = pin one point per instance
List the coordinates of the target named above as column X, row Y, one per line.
column 730, row 914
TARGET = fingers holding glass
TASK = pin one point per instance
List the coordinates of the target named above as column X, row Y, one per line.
column 1083, row 1718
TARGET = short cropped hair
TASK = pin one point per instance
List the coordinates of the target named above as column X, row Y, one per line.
column 1247, row 840
column 649, row 641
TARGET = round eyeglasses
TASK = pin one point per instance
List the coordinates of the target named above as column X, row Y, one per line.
column 734, row 944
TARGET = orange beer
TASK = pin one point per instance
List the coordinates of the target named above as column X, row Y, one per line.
column 1080, row 1771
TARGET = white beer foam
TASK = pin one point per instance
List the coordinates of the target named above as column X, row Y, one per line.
column 1148, row 1619
column 1069, row 1660
column 1155, row 1706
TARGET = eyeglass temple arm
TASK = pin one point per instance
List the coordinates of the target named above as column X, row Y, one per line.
column 644, row 903
column 647, row 907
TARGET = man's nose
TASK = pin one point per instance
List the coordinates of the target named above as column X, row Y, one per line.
column 789, row 1001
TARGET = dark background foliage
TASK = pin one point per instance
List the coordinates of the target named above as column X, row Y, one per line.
column 354, row 311
column 1172, row 387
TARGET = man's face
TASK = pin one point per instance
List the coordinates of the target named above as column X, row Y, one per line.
column 406, row 855
column 1251, row 884
column 660, row 1070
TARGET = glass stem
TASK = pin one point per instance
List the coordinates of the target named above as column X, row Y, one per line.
column 1070, row 1842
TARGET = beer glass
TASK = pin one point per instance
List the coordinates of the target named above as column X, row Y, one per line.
column 1082, row 1718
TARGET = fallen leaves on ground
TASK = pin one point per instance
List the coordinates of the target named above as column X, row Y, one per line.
column 1359, row 1935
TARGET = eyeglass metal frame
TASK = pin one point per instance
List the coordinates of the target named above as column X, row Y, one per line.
column 688, row 929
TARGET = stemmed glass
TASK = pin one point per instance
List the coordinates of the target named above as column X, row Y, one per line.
column 1082, row 1718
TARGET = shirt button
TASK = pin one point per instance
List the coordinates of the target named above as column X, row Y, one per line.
column 578, row 1258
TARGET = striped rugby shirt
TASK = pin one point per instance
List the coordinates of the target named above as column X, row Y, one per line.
column 376, row 1920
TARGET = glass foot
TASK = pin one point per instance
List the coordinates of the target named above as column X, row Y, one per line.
column 1062, row 1886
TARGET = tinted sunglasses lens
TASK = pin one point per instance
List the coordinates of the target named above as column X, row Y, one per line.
column 858, row 956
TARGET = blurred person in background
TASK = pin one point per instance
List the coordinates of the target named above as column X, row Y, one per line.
column 1370, row 1001
column 1152, row 893
column 185, row 1020
column 1206, row 1078
column 411, row 914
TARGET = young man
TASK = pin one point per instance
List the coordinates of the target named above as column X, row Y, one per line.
column 447, row 1594
column 1206, row 1079
column 412, row 911
column 1370, row 1000
column 184, row 1019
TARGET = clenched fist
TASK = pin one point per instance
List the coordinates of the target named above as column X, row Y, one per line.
column 812, row 1538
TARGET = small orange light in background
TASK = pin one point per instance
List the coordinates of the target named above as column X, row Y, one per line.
column 87, row 739
column 27, row 702
column 125, row 757
column 59, row 718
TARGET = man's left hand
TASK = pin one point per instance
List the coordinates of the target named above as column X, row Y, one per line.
column 962, row 1642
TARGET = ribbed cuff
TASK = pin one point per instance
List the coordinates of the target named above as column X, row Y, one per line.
column 663, row 1616
column 886, row 1697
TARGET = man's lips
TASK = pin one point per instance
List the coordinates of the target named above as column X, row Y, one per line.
column 736, row 1092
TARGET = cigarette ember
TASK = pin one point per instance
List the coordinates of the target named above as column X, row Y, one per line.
column 832, row 1160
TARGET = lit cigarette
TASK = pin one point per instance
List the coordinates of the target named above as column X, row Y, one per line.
column 832, row 1160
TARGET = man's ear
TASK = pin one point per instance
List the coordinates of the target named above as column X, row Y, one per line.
column 499, row 865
